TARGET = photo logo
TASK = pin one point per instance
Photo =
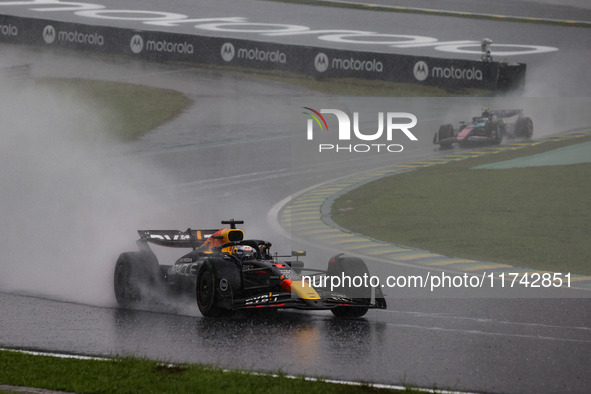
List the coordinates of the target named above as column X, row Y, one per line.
column 136, row 44
column 421, row 70
column 49, row 34
column 228, row 52
column 348, row 131
column 317, row 117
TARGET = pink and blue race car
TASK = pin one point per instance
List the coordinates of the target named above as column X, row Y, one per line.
column 490, row 128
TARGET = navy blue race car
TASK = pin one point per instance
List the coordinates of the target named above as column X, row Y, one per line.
column 225, row 273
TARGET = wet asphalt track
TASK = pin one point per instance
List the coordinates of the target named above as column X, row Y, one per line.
column 515, row 345
column 486, row 345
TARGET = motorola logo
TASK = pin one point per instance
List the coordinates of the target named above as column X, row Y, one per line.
column 228, row 51
column 136, row 44
column 49, row 34
column 8, row 30
column 421, row 70
column 321, row 62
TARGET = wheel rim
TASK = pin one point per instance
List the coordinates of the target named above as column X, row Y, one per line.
column 205, row 290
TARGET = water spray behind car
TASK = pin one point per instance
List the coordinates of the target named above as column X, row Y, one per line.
column 66, row 197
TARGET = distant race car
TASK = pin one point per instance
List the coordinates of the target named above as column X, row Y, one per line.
column 489, row 128
column 226, row 273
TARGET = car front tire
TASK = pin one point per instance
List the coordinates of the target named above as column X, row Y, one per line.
column 352, row 267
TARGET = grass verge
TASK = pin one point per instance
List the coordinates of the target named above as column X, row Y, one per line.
column 131, row 375
column 129, row 111
column 537, row 217
column 372, row 88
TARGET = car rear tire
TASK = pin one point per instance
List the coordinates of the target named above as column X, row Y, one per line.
column 497, row 133
column 351, row 267
column 136, row 278
column 524, row 128
column 218, row 282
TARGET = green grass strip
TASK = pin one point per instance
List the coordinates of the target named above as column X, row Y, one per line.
column 132, row 375
column 536, row 217
column 128, row 110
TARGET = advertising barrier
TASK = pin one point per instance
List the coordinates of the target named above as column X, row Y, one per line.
column 307, row 60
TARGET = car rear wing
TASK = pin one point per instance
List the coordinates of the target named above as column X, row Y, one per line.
column 176, row 238
column 190, row 238
column 506, row 113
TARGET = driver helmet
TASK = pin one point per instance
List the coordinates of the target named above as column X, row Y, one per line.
column 486, row 112
column 243, row 251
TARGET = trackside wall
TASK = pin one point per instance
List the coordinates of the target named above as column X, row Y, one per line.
column 307, row 60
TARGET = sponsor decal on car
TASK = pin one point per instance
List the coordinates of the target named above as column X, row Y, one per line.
column 261, row 299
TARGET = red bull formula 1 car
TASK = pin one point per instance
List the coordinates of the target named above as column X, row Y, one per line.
column 225, row 273
column 489, row 128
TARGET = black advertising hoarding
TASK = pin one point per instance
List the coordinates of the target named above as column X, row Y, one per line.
column 450, row 73
column 313, row 61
